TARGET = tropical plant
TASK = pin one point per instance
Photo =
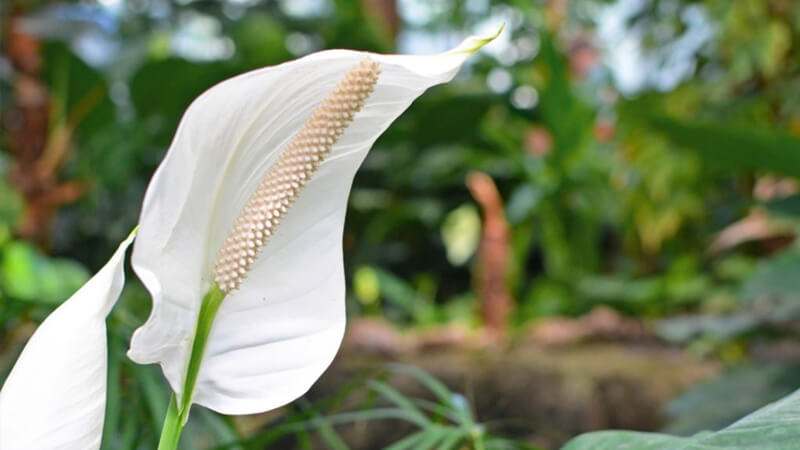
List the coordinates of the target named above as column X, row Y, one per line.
column 246, row 152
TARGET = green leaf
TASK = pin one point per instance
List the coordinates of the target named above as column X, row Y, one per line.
column 788, row 207
column 776, row 277
column 408, row 442
column 774, row 427
column 461, row 233
column 114, row 396
column 435, row 386
column 442, row 393
column 507, row 444
column 79, row 92
column 221, row 428
column 366, row 285
column 523, row 203
column 625, row 440
column 683, row 329
column 11, row 205
column 162, row 90
column 454, row 112
column 564, row 115
column 450, row 441
column 394, row 396
column 432, row 436
column 154, row 393
column 402, row 295
column 710, row 405
column 28, row 275
column 260, row 41
column 735, row 147
column 327, row 433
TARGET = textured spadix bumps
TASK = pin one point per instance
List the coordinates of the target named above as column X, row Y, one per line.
column 283, row 182
column 238, row 146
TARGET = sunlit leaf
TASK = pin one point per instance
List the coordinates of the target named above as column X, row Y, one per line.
column 461, row 233
column 26, row 274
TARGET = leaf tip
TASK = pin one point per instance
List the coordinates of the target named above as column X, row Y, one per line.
column 133, row 233
column 474, row 43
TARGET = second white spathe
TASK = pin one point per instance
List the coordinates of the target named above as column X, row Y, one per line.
column 55, row 396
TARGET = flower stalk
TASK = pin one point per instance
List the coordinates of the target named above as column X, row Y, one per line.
column 178, row 411
column 171, row 430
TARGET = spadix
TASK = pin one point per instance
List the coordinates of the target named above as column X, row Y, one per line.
column 296, row 165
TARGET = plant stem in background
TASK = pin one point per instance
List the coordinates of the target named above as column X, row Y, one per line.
column 41, row 138
column 493, row 255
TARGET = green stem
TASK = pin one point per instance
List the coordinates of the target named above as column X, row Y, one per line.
column 178, row 412
column 208, row 310
column 171, row 431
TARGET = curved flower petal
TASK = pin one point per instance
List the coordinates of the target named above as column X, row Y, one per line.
column 55, row 396
column 275, row 334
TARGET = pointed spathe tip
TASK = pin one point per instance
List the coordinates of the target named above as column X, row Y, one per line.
column 497, row 33
column 474, row 43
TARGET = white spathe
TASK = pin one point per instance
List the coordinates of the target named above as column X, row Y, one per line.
column 55, row 396
column 274, row 336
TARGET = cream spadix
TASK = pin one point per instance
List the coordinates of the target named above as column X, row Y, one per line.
column 296, row 165
column 55, row 396
column 251, row 156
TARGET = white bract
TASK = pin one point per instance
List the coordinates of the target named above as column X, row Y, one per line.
column 55, row 396
column 251, row 196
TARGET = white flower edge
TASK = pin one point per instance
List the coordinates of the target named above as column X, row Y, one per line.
column 55, row 396
column 274, row 336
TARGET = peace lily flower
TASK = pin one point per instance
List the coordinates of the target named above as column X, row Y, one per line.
column 241, row 228
column 239, row 245
column 55, row 396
